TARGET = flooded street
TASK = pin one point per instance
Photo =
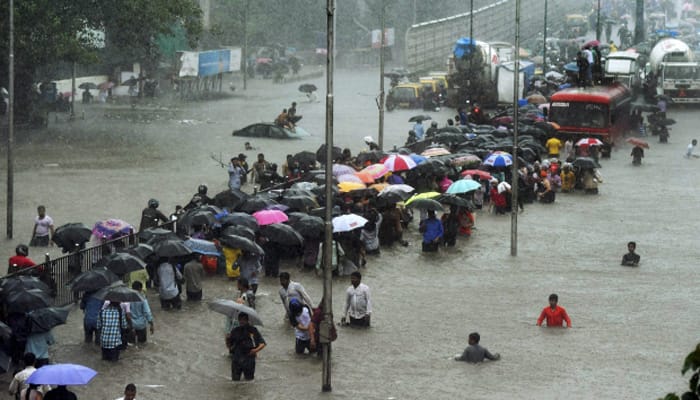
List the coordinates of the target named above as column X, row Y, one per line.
column 632, row 327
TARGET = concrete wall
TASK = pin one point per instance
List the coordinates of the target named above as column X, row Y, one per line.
column 428, row 44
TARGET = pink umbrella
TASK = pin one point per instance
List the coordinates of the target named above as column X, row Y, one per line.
column 376, row 170
column 268, row 217
column 342, row 169
column 399, row 162
column 112, row 228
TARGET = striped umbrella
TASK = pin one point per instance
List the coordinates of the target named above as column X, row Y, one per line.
column 399, row 162
column 435, row 151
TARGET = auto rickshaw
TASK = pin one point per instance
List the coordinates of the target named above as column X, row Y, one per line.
column 576, row 25
column 405, row 95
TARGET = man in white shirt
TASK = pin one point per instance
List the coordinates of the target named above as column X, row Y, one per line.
column 358, row 303
column 19, row 381
column 43, row 226
column 292, row 290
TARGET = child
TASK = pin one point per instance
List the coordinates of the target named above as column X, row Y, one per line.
column 631, row 259
column 246, row 296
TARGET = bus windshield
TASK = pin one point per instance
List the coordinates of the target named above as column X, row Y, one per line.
column 583, row 115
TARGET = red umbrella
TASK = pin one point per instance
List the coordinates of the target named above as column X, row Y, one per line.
column 638, row 142
column 589, row 142
column 477, row 172
column 398, row 162
column 592, row 43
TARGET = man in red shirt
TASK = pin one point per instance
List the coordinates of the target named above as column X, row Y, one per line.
column 554, row 314
column 20, row 260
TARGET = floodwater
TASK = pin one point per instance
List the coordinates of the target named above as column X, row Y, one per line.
column 632, row 326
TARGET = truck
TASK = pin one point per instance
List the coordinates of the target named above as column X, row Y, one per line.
column 676, row 69
column 624, row 67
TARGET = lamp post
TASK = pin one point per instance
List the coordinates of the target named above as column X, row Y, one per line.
column 381, row 82
column 514, row 173
column 544, row 43
column 11, row 122
column 597, row 23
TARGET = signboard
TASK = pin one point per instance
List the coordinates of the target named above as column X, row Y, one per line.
column 214, row 62
column 189, row 64
column 388, row 38
column 235, row 59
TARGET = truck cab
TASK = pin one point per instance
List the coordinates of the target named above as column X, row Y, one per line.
column 623, row 67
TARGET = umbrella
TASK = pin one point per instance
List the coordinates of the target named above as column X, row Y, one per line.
column 94, row 279
column 242, row 243
column 419, row 118
column 352, row 178
column 638, row 142
column 342, row 169
column 463, row 186
column 171, row 248
column 589, row 142
column 466, row 159
column 119, row 292
column 373, row 156
column 141, row 250
column 399, row 188
column 309, row 186
column 45, row 319
column 5, row 331
column 256, row 203
column 454, row 200
column 305, row 157
column 477, row 172
column 300, row 202
column 536, row 99
column 376, row 171
column 350, row 186
column 665, row 122
column 202, row 247
column 154, row 235
column 69, row 236
column 239, row 218
column 282, row 234
column 62, row 374
column 398, row 162
column 197, row 217
column 20, row 283
column 435, row 151
column 121, row 263
column 592, row 43
column 420, row 196
column 27, row 300
column 499, row 160
column 365, row 177
column 105, row 85
column 130, row 82
column 348, row 222
column 230, row 198
column 87, row 85
column 321, row 153
column 392, row 198
column 231, row 309
column 307, row 88
column 112, row 228
column 585, row 163
column 309, row 226
column 426, row 204
column 240, row 230
column 267, row 217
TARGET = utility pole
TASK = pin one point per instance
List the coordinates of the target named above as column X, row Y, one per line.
column 11, row 124
column 639, row 22
column 514, row 173
column 544, row 44
column 381, row 81
column 327, row 323
column 597, row 23
column 245, row 44
column 472, row 47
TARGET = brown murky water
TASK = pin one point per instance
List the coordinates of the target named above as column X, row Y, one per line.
column 632, row 326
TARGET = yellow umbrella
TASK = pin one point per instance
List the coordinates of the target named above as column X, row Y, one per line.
column 345, row 187
column 379, row 186
column 426, row 195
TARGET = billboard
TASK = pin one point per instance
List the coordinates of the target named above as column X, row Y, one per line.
column 189, row 64
column 214, row 62
column 377, row 38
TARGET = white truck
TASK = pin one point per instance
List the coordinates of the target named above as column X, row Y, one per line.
column 677, row 71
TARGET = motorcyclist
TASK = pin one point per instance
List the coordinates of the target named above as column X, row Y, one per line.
column 433, row 130
column 199, row 199
column 150, row 216
column 476, row 114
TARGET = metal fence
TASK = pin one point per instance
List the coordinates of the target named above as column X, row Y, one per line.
column 58, row 272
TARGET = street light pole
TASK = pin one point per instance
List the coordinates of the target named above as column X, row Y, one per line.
column 245, row 45
column 597, row 23
column 381, row 83
column 544, row 44
column 11, row 123
column 514, row 173
column 327, row 323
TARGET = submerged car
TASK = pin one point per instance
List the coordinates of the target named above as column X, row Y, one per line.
column 265, row 130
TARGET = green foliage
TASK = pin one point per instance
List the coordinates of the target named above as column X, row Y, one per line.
column 691, row 363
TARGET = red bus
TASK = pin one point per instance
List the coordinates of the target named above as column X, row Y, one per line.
column 602, row 112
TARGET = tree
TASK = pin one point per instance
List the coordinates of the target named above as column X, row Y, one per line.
column 691, row 363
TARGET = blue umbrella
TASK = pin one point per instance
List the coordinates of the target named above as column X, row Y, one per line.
column 418, row 158
column 62, row 374
column 499, row 160
column 463, row 186
column 202, row 247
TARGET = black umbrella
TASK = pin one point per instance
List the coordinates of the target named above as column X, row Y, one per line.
column 300, row 202
column 69, row 236
column 452, row 200
column 282, row 234
column 27, row 300
column 307, row 88
column 230, row 198
column 426, row 204
column 119, row 292
column 130, row 82
column 391, row 197
column 171, row 248
column 239, row 230
column 45, row 319
column 373, row 157
column 321, row 190
column 197, row 216
column 321, row 153
column 305, row 157
column 665, row 122
column 94, row 279
column 153, row 235
column 141, row 250
column 242, row 243
column 256, row 203
column 586, row 163
column 295, row 216
column 431, row 166
column 239, row 218
column 419, row 118
column 297, row 192
column 5, row 331
column 87, row 85
column 121, row 263
column 20, row 283
column 309, row 226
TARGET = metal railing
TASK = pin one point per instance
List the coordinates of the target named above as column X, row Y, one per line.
column 58, row 272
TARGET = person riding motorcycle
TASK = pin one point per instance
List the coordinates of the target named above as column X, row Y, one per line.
column 199, row 199
column 476, row 115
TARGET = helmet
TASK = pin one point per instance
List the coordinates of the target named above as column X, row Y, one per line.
column 153, row 203
column 434, row 124
column 22, row 250
column 202, row 189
